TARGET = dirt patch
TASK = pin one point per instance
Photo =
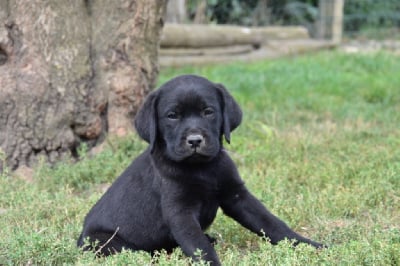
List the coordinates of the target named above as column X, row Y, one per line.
column 371, row 46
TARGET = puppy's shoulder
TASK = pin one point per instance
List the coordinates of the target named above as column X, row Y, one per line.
column 226, row 161
column 226, row 166
column 140, row 166
column 229, row 179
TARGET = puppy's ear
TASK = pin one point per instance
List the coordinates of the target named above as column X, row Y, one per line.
column 146, row 119
column 232, row 114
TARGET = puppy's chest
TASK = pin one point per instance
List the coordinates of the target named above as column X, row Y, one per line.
column 202, row 184
column 198, row 188
column 192, row 191
column 204, row 198
column 196, row 195
column 204, row 201
column 199, row 192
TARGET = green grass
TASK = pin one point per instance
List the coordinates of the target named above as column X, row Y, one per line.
column 319, row 145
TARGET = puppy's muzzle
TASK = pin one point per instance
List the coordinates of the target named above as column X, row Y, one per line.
column 194, row 141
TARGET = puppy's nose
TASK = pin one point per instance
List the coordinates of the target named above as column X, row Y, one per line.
column 194, row 140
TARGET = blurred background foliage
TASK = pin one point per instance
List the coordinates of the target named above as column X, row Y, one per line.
column 361, row 17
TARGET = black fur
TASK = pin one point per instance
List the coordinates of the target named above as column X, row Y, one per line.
column 170, row 194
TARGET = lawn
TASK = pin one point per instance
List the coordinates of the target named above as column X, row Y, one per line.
column 319, row 145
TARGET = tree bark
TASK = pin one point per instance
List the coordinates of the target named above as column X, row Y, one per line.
column 71, row 71
column 176, row 11
column 201, row 17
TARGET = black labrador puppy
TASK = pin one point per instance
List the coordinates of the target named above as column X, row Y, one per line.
column 170, row 194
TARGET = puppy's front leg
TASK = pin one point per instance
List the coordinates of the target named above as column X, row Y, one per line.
column 242, row 206
column 188, row 234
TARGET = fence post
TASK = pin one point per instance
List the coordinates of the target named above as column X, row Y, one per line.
column 330, row 21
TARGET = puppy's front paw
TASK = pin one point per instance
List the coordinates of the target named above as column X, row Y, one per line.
column 317, row 245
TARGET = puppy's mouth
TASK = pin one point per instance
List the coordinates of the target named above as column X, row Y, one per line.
column 197, row 156
column 194, row 155
column 193, row 148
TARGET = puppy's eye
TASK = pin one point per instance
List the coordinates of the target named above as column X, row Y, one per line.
column 173, row 115
column 208, row 112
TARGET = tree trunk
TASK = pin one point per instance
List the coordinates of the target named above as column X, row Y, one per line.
column 71, row 71
column 176, row 11
column 261, row 14
column 200, row 36
column 201, row 17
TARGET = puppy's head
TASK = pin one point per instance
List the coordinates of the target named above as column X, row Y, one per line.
column 186, row 118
